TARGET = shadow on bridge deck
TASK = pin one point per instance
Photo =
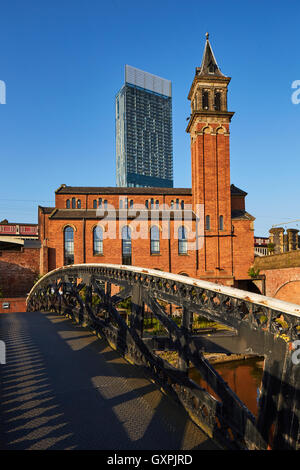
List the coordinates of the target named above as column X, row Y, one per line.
column 63, row 388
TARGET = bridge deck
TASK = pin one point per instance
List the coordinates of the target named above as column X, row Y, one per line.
column 63, row 388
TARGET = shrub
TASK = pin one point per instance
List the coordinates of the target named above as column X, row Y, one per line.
column 253, row 273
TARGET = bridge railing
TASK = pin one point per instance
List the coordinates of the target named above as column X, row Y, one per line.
column 260, row 326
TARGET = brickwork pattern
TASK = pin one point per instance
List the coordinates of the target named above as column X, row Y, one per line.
column 18, row 271
column 62, row 388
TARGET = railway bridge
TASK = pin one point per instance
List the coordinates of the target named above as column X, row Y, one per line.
column 145, row 400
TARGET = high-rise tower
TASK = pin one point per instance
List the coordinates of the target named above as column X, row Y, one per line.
column 209, row 130
column 144, row 150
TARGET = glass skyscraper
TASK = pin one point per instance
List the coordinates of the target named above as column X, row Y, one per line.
column 144, row 149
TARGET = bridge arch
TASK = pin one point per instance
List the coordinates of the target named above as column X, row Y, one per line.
column 289, row 291
column 258, row 325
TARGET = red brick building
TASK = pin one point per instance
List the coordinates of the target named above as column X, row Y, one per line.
column 19, row 258
column 203, row 232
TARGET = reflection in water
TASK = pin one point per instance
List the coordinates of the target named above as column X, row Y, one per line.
column 243, row 377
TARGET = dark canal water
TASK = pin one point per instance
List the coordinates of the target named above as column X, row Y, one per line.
column 243, row 377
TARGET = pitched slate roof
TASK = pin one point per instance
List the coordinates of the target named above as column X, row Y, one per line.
column 209, row 64
column 235, row 191
column 239, row 214
column 126, row 214
column 63, row 189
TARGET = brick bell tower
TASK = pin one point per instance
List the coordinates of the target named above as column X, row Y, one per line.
column 209, row 130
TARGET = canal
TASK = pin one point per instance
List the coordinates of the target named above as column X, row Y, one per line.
column 242, row 376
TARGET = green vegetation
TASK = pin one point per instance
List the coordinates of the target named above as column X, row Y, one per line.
column 126, row 305
column 155, row 328
column 253, row 273
column 271, row 247
column 39, row 276
column 263, row 319
column 95, row 298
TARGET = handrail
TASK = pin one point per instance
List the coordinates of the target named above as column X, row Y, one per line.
column 262, row 300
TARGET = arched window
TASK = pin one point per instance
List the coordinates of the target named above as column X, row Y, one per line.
column 207, row 222
column 126, row 245
column 73, row 203
column 205, row 100
column 177, row 203
column 131, row 203
column 121, row 203
column 68, row 204
column 98, row 240
column 157, row 205
column 172, row 204
column 217, row 101
column 79, row 204
column 152, row 203
column 94, row 204
column 221, row 223
column 100, row 202
column 154, row 240
column 105, row 203
column 182, row 205
column 68, row 246
column 211, row 67
column 147, row 204
column 182, row 241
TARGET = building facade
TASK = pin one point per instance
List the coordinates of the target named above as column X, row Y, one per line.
column 261, row 246
column 203, row 231
column 19, row 258
column 144, row 149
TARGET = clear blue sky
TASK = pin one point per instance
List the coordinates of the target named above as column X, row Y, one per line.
column 63, row 62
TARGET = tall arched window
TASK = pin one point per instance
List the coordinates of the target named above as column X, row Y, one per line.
column 126, row 245
column 221, row 223
column 98, row 241
column 172, row 204
column 100, row 202
column 205, row 99
column 68, row 246
column 182, row 241
column 182, row 205
column 207, row 222
column 73, row 203
column 154, row 240
column 68, row 204
column 94, row 204
column 177, row 203
column 79, row 204
column 157, row 205
column 105, row 203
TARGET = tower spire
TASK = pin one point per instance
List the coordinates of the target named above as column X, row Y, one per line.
column 209, row 64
